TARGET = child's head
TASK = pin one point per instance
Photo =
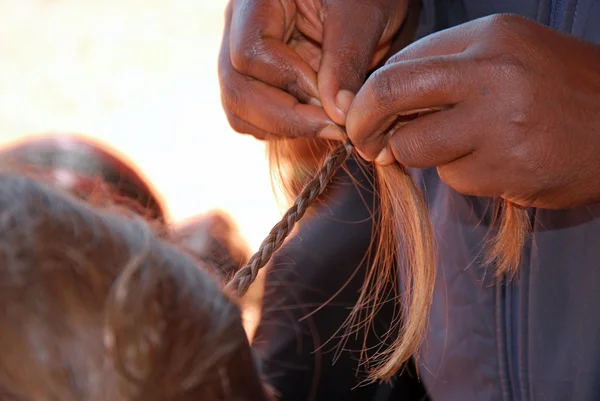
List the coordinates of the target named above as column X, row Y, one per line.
column 93, row 306
column 87, row 169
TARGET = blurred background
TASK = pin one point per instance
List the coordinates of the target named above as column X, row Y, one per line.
column 140, row 76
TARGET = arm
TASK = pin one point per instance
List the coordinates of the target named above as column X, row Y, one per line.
column 313, row 266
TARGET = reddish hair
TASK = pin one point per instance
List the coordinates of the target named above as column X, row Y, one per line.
column 96, row 307
column 88, row 169
column 214, row 238
column 405, row 248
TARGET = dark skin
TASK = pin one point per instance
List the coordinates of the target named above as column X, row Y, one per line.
column 519, row 118
column 291, row 68
column 508, row 108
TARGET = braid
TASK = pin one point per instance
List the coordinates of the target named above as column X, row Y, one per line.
column 403, row 226
column 244, row 278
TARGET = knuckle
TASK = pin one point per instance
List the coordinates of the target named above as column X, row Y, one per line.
column 264, row 64
column 505, row 56
column 289, row 129
column 285, row 129
column 429, row 76
column 383, row 88
column 526, row 159
column 520, row 121
column 243, row 54
column 509, row 64
column 502, row 63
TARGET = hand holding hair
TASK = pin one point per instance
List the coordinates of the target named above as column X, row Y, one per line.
column 430, row 76
column 519, row 113
column 244, row 278
column 290, row 68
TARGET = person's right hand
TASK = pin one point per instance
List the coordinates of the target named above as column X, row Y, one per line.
column 290, row 68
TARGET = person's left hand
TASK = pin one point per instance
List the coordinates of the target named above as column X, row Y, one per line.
column 518, row 112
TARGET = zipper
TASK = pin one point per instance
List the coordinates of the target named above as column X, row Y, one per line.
column 557, row 13
column 511, row 337
column 513, row 304
column 510, row 294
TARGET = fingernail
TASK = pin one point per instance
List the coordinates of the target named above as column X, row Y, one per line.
column 315, row 102
column 332, row 132
column 385, row 157
column 343, row 100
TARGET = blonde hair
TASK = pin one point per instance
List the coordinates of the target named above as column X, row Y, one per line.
column 405, row 246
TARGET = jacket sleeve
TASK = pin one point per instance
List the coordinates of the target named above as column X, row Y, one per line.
column 323, row 261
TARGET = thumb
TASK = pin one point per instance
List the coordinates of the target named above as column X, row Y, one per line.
column 351, row 33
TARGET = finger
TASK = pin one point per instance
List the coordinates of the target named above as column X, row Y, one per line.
column 402, row 89
column 472, row 176
column 380, row 146
column 274, row 111
column 259, row 30
column 443, row 43
column 264, row 107
column 350, row 39
column 436, row 139
column 243, row 127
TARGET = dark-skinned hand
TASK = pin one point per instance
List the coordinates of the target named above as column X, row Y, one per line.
column 290, row 68
column 517, row 112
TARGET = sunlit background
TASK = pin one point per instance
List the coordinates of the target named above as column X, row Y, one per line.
column 140, row 75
